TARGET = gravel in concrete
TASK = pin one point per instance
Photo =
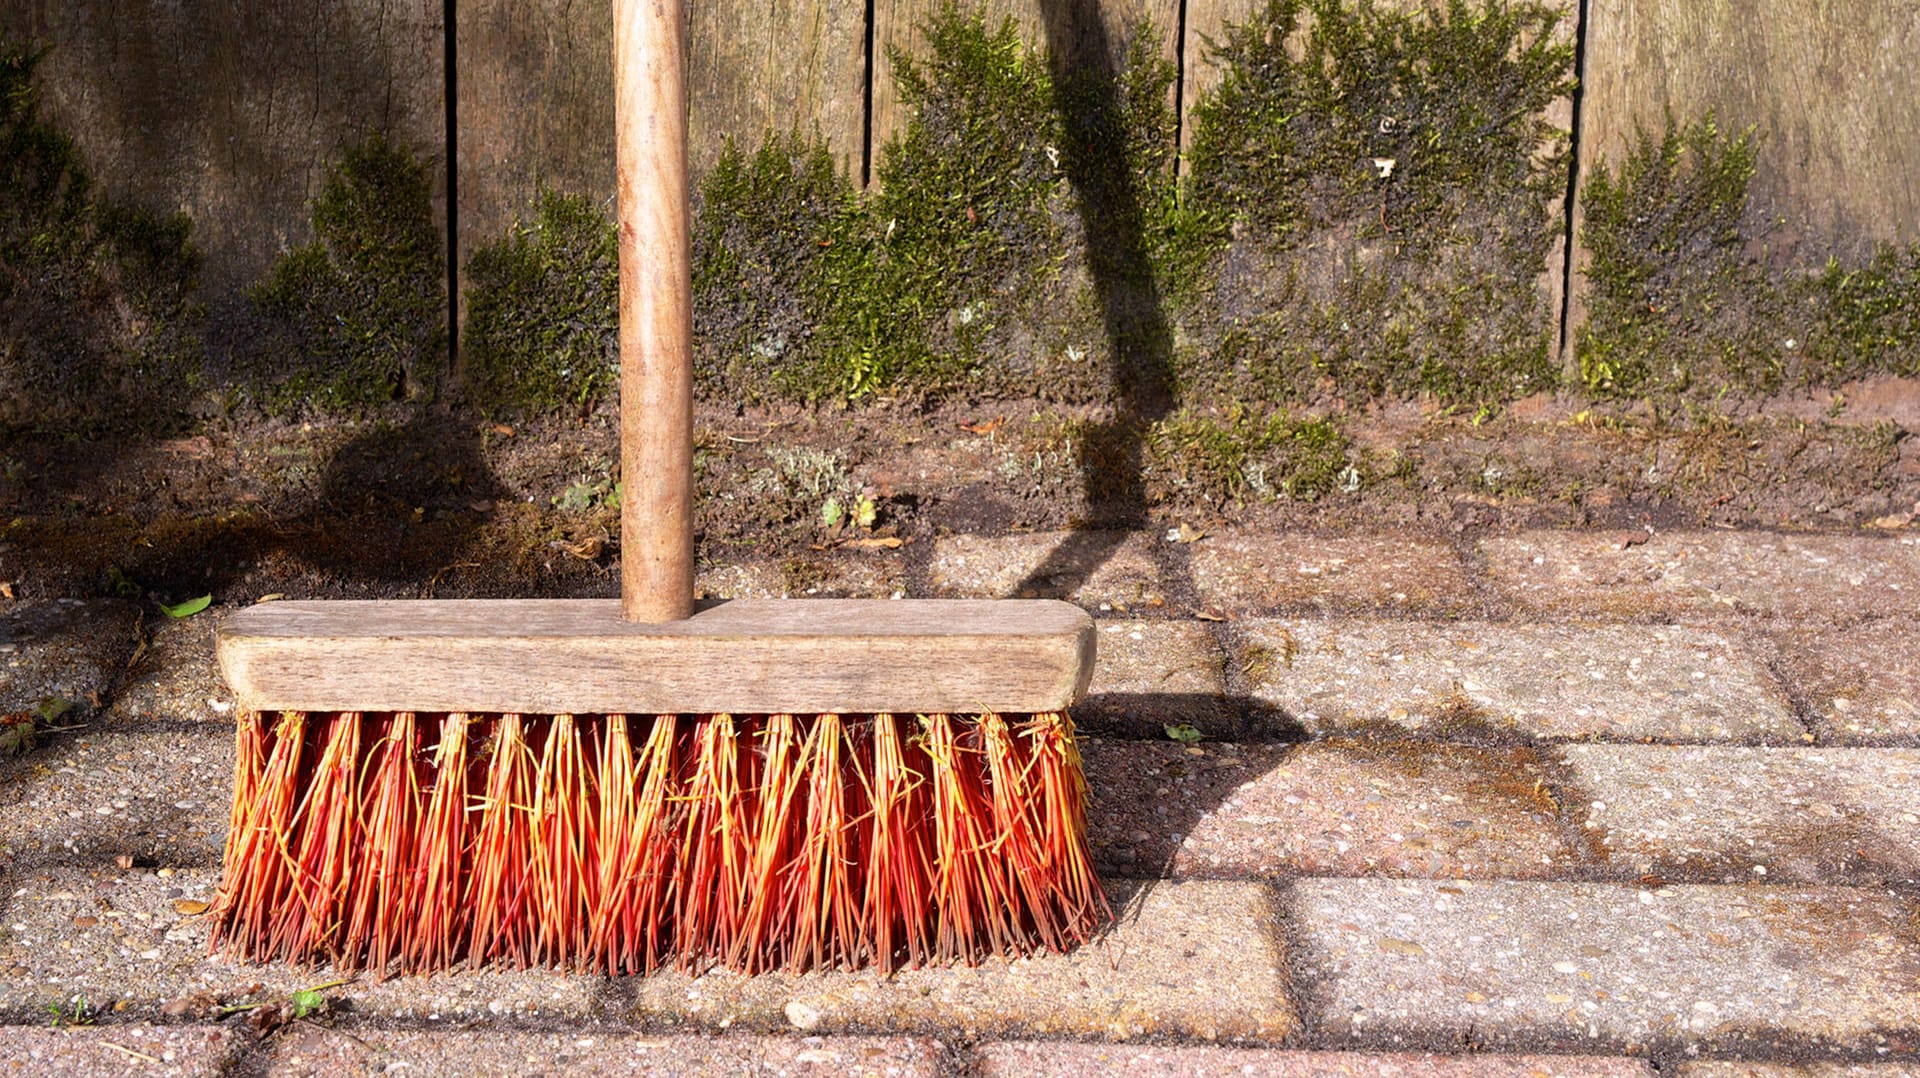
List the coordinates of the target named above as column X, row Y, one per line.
column 1251, row 573
column 1832, row 578
column 839, row 574
column 1861, row 684
column 1052, row 1059
column 116, row 1050
column 1787, row 815
column 1107, row 572
column 138, row 937
column 1153, row 674
column 68, row 650
column 1344, row 807
column 1537, row 681
column 176, row 677
column 1198, row 959
column 159, row 797
column 1728, row 1069
column 322, row 1053
column 1510, row 963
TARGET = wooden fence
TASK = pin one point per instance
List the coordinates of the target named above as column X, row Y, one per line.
column 231, row 109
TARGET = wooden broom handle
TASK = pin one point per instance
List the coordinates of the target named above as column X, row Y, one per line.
column 656, row 311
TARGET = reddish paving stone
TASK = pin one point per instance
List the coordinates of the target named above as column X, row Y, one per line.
column 1723, row 1069
column 1343, row 807
column 1861, row 684
column 322, row 1053
column 1542, row 681
column 1838, row 578
column 1195, row 959
column 1799, row 815
column 1510, row 962
column 1245, row 572
column 1049, row 1059
column 123, row 937
column 1110, row 572
column 1149, row 675
column 158, row 795
column 112, row 1051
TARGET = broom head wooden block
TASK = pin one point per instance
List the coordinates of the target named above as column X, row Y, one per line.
column 571, row 656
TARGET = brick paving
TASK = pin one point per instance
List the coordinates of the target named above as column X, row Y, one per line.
column 1553, row 803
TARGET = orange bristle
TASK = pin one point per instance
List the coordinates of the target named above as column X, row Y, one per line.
column 566, row 841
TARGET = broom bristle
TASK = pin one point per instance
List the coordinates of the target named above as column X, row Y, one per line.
column 757, row 843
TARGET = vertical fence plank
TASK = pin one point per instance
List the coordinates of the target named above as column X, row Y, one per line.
column 1830, row 86
column 787, row 66
column 231, row 111
column 1084, row 24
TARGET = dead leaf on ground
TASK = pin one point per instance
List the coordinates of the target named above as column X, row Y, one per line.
column 196, row 1005
column 588, row 549
column 1404, row 947
column 189, row 907
column 1209, row 615
column 890, row 543
column 985, row 426
column 6, row 589
column 1633, row 539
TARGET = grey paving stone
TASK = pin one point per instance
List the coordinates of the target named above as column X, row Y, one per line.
column 1197, row 959
column 1860, row 683
column 1835, row 578
column 1563, row 681
column 1505, row 963
column 1343, row 807
column 113, row 1051
column 1152, row 674
column 176, row 677
column 159, row 796
column 64, row 653
column 1053, row 1059
column 322, row 1053
column 839, row 574
column 1109, row 572
column 117, row 936
column 1799, row 815
column 1247, row 572
column 1726, row 1069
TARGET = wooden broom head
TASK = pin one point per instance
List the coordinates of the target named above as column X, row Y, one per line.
column 754, row 657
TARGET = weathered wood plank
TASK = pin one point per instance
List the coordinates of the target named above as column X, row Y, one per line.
column 231, row 111
column 543, row 656
column 791, row 65
column 1082, row 29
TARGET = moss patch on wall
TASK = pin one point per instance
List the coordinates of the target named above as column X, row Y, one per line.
column 98, row 321
column 1683, row 305
column 362, row 309
column 1374, row 194
column 542, row 327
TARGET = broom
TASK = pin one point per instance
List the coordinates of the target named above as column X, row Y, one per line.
column 617, row 786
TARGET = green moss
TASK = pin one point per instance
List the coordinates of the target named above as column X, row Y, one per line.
column 542, row 329
column 365, row 303
column 762, row 229
column 1680, row 306
column 1243, row 455
column 101, row 327
column 1372, row 197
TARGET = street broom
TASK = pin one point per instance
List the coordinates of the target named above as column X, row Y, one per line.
column 622, row 785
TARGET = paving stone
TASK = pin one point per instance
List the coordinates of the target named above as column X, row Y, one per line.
column 1836, row 578
column 1246, row 572
column 1542, row 681
column 1800, row 815
column 159, row 796
column 1197, row 959
column 1153, row 674
column 176, row 677
column 119, row 936
column 1110, row 572
column 1861, row 684
column 1052, row 1059
column 1341, row 807
column 324, row 1052
column 113, row 1051
column 1510, row 963
column 64, row 653
column 877, row 574
column 1724, row 1069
